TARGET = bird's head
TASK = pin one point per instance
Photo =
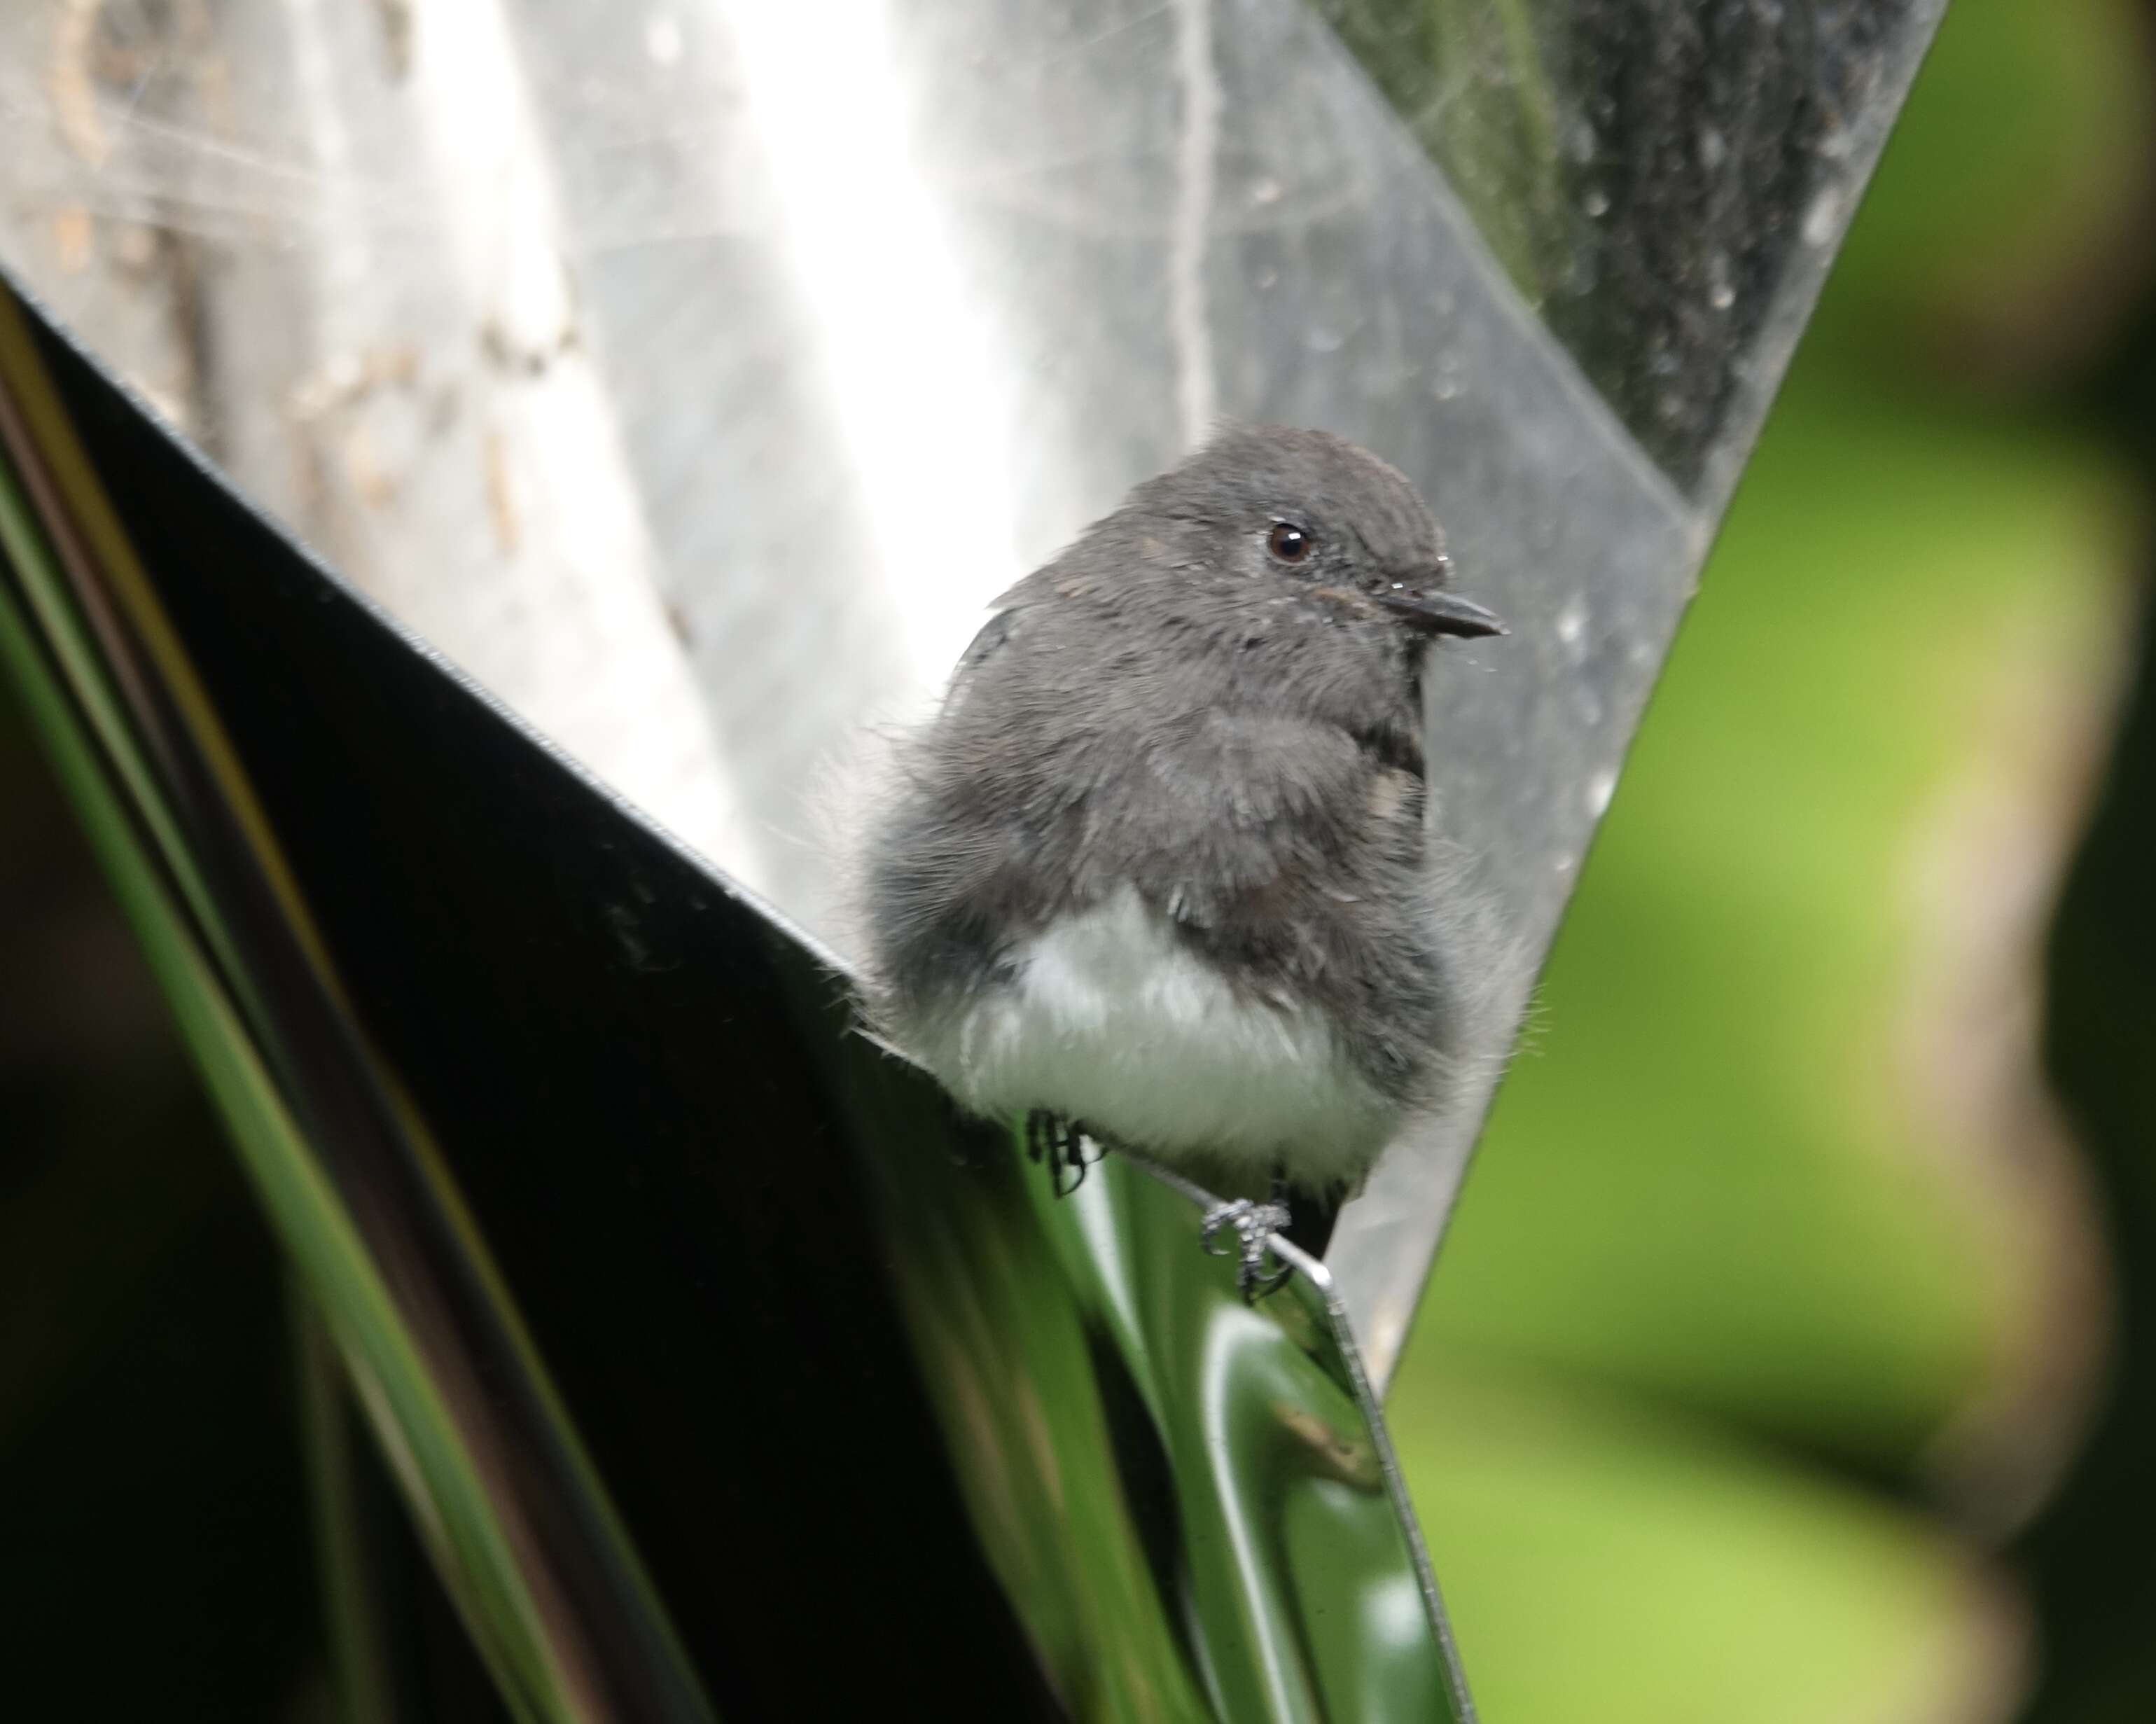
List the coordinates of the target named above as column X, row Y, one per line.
column 1309, row 516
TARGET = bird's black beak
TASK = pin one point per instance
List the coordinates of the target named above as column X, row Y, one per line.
column 1440, row 612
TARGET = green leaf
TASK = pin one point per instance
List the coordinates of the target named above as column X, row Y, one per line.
column 1601, row 1564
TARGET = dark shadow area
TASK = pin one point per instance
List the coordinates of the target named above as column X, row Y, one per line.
column 2090, row 1558
column 156, row 1560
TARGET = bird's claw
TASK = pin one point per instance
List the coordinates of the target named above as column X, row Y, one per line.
column 1061, row 1143
column 1254, row 1223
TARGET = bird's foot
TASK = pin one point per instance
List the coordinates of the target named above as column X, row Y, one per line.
column 1254, row 1223
column 1061, row 1143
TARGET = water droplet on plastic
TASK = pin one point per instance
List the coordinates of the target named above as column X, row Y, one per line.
column 1720, row 294
column 1822, row 220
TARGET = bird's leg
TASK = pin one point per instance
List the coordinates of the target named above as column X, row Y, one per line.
column 1254, row 1223
column 1060, row 1143
column 1066, row 1158
column 1081, row 1135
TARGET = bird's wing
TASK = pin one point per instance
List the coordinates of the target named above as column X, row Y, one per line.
column 1222, row 803
column 992, row 636
column 1280, row 846
column 1394, row 747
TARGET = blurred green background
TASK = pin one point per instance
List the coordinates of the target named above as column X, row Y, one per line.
column 1794, row 1355
column 1789, row 1358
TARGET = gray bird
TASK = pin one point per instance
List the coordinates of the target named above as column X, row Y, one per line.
column 1157, row 871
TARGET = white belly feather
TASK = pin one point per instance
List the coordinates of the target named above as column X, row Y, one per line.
column 1111, row 1020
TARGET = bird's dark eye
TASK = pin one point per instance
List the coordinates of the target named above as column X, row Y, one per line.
column 1289, row 543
